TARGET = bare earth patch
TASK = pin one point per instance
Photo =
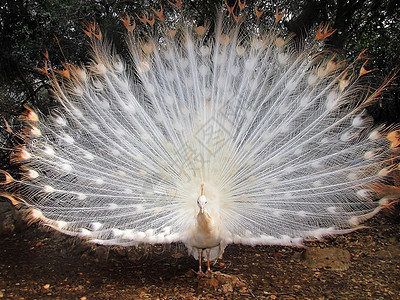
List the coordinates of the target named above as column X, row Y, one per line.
column 40, row 264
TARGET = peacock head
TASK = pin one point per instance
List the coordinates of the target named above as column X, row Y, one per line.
column 202, row 200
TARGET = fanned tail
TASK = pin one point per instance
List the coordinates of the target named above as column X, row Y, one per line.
column 279, row 139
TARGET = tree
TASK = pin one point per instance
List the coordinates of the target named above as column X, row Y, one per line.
column 28, row 28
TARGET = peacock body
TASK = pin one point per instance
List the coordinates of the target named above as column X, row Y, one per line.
column 275, row 144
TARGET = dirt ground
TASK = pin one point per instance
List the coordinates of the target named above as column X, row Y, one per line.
column 40, row 264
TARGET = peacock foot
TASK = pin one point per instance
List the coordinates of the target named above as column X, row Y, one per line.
column 209, row 273
column 201, row 274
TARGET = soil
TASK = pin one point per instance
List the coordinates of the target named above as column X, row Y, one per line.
column 41, row 264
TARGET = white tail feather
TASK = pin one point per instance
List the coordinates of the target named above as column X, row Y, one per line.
column 279, row 140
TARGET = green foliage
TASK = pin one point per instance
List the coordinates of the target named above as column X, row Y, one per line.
column 29, row 27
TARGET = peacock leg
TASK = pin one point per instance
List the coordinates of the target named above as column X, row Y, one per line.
column 200, row 273
column 208, row 261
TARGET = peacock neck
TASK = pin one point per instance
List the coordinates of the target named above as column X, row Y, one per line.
column 205, row 222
